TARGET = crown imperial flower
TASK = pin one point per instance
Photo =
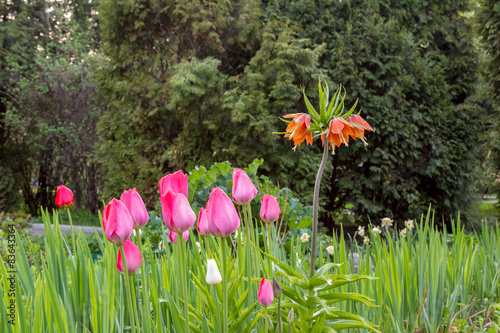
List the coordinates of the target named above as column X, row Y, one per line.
column 297, row 128
column 330, row 122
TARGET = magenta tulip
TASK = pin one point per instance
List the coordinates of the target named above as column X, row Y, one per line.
column 177, row 182
column 266, row 294
column 223, row 218
column 173, row 236
column 64, row 197
column 133, row 201
column 133, row 257
column 269, row 210
column 202, row 226
column 117, row 222
column 177, row 213
column 243, row 189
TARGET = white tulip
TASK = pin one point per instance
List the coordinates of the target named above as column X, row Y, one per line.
column 213, row 274
column 329, row 249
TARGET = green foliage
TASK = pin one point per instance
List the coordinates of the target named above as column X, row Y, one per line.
column 430, row 280
column 313, row 299
column 488, row 21
column 80, row 217
column 52, row 122
column 195, row 83
column 47, row 112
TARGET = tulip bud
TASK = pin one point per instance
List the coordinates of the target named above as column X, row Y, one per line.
column 213, row 274
column 276, row 288
column 269, row 210
column 173, row 236
column 202, row 226
column 290, row 317
column 117, row 222
column 223, row 218
column 133, row 201
column 64, row 197
column 177, row 182
column 177, row 213
column 330, row 249
column 265, row 295
column 243, row 189
column 133, row 257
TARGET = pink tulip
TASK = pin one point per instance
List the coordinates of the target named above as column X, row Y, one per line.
column 223, row 219
column 177, row 213
column 266, row 294
column 133, row 257
column 64, row 197
column 173, row 236
column 243, row 189
column 269, row 210
column 133, row 201
column 202, row 227
column 177, row 182
column 117, row 222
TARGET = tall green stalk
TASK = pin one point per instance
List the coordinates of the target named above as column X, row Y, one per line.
column 182, row 268
column 248, row 254
column 315, row 208
column 224, row 286
column 145, row 278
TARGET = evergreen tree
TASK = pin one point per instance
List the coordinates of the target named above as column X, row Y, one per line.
column 193, row 83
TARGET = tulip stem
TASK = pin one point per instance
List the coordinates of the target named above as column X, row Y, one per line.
column 269, row 238
column 182, row 269
column 248, row 259
column 144, row 276
column 266, row 319
column 224, row 286
column 217, row 322
column 315, row 209
column 127, row 287
column 250, row 222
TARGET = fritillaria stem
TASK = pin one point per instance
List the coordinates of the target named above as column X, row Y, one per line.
column 315, row 208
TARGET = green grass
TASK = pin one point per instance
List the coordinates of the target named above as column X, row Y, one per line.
column 430, row 281
column 83, row 217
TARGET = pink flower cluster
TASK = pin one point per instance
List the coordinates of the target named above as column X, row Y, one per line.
column 219, row 218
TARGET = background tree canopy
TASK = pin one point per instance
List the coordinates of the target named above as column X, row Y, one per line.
column 175, row 84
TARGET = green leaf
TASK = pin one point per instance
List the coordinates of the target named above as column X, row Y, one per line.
column 318, row 326
column 282, row 265
column 348, row 114
column 242, row 318
column 347, row 296
column 311, row 109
